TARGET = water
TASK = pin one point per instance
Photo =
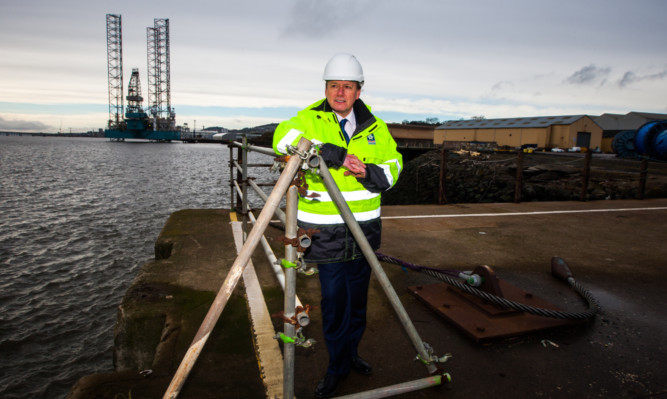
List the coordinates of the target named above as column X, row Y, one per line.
column 78, row 218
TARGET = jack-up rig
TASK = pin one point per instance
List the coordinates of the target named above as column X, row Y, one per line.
column 158, row 121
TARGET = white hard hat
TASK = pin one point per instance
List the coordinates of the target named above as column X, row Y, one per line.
column 344, row 66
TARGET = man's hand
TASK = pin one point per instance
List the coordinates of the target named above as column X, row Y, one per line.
column 354, row 166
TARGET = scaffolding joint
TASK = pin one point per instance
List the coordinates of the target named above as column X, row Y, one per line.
column 298, row 340
column 304, row 155
column 431, row 357
column 300, row 319
column 302, row 241
column 279, row 163
column 300, row 265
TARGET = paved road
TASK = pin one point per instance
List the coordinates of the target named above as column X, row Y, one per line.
column 614, row 248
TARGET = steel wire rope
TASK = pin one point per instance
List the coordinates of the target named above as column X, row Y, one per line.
column 446, row 276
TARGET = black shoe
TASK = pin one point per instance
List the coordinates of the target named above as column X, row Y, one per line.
column 327, row 386
column 361, row 366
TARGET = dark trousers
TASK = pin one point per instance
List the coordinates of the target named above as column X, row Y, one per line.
column 344, row 297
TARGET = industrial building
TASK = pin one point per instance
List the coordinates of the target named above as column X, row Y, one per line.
column 412, row 136
column 565, row 131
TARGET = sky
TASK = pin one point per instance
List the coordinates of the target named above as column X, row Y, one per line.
column 240, row 64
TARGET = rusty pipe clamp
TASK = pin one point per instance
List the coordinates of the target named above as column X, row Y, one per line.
column 300, row 319
column 302, row 241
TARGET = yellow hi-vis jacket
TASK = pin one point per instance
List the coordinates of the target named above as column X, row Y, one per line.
column 372, row 143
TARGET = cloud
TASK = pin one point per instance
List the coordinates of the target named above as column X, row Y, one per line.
column 630, row 77
column 499, row 89
column 588, row 75
column 22, row 125
column 318, row 19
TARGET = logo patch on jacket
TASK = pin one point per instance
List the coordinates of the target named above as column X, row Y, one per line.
column 371, row 139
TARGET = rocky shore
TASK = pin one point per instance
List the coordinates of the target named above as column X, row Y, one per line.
column 491, row 177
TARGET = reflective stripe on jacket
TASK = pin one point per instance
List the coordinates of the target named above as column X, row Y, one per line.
column 373, row 145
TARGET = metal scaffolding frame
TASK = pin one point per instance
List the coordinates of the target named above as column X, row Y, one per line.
column 134, row 98
column 115, row 69
column 159, row 86
column 301, row 156
column 151, row 52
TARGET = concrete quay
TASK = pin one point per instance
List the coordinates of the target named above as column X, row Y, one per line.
column 616, row 249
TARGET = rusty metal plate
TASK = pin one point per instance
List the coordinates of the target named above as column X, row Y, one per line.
column 482, row 320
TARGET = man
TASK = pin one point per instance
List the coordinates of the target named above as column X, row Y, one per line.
column 363, row 160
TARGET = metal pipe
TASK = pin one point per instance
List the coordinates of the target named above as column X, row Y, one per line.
column 305, row 241
column 260, row 165
column 290, row 286
column 244, row 187
column 302, row 317
column 238, row 177
column 253, row 165
column 398, row 389
column 279, row 213
column 231, row 177
column 234, row 274
column 368, row 252
column 263, row 150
